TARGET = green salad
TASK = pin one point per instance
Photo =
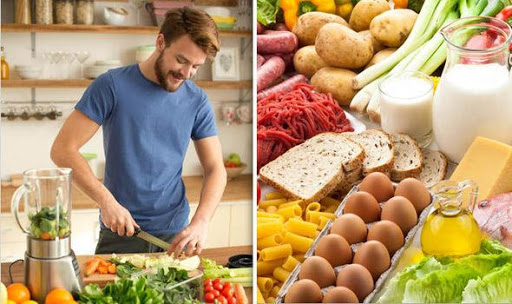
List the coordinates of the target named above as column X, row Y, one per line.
column 43, row 224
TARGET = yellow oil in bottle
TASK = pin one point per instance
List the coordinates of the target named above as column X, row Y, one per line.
column 453, row 236
column 4, row 66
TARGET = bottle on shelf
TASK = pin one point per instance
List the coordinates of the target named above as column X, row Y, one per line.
column 5, row 65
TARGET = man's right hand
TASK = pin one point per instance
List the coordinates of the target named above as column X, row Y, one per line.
column 118, row 219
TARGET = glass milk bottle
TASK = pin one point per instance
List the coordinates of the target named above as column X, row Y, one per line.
column 474, row 96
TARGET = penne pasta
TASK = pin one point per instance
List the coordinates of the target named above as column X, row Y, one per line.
column 276, row 252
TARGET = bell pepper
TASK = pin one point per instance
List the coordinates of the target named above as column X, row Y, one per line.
column 344, row 8
column 506, row 15
column 290, row 12
column 324, row 6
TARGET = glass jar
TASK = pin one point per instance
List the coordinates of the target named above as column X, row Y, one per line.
column 5, row 66
column 43, row 11
column 63, row 11
column 84, row 12
column 22, row 11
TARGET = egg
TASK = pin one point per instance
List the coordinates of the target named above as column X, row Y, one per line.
column 379, row 185
column 415, row 191
column 335, row 249
column 364, row 205
column 356, row 278
column 388, row 233
column 318, row 269
column 351, row 227
column 304, row 291
column 340, row 295
column 400, row 211
column 374, row 256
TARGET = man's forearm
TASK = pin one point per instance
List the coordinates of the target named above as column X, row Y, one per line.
column 213, row 187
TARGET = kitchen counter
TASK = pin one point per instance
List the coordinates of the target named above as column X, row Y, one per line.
column 239, row 188
column 220, row 255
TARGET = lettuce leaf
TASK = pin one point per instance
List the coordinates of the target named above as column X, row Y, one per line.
column 493, row 246
column 267, row 11
column 484, row 263
column 496, row 287
column 440, row 286
column 396, row 288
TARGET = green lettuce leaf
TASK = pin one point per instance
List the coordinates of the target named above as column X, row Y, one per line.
column 440, row 286
column 484, row 263
column 267, row 11
column 396, row 288
column 496, row 287
column 490, row 247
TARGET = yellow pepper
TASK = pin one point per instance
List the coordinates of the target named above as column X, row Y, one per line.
column 344, row 10
column 290, row 12
column 324, row 6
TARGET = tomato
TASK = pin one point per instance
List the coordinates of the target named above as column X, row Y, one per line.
column 216, row 293
column 217, row 280
column 258, row 191
column 227, row 285
column 218, row 286
column 231, row 300
column 207, row 281
column 209, row 297
column 208, row 288
column 221, row 299
column 227, row 292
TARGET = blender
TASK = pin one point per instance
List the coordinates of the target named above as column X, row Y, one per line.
column 49, row 261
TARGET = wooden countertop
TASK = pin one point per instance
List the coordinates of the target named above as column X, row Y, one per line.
column 239, row 188
column 220, row 255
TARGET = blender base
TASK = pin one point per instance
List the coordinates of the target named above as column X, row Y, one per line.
column 44, row 275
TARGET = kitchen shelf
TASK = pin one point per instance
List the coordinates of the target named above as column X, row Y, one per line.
column 80, row 83
column 111, row 29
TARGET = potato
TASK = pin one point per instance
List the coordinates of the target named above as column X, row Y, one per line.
column 393, row 27
column 341, row 47
column 377, row 47
column 307, row 62
column 338, row 82
column 380, row 56
column 307, row 26
column 365, row 11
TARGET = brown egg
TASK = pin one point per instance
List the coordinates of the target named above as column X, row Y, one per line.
column 389, row 234
column 351, row 227
column 318, row 269
column 400, row 211
column 378, row 185
column 364, row 205
column 304, row 291
column 415, row 191
column 374, row 256
column 356, row 278
column 340, row 295
column 335, row 249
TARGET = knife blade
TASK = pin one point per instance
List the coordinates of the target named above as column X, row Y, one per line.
column 151, row 239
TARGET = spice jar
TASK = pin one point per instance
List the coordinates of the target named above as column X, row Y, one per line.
column 84, row 12
column 22, row 11
column 43, row 11
column 63, row 11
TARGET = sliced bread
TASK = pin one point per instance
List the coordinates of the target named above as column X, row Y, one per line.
column 351, row 178
column 313, row 169
column 434, row 168
column 378, row 149
column 408, row 158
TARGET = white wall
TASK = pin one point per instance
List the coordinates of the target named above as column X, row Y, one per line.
column 26, row 144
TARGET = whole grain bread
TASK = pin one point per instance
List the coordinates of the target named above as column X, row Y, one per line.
column 351, row 178
column 313, row 169
column 434, row 168
column 378, row 148
column 408, row 157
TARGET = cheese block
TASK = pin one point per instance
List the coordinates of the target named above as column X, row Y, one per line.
column 489, row 163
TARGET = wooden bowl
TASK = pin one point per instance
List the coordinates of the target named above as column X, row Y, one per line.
column 235, row 171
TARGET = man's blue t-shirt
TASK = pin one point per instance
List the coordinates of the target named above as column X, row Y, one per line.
column 146, row 132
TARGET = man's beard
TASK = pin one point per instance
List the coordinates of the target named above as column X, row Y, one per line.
column 162, row 76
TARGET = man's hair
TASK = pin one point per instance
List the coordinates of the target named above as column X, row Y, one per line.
column 193, row 22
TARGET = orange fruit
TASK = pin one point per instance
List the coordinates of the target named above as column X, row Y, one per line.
column 30, row 302
column 58, row 296
column 18, row 292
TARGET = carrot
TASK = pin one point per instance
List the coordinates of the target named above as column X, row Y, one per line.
column 112, row 269
column 103, row 269
column 46, row 236
column 91, row 268
column 104, row 263
column 241, row 297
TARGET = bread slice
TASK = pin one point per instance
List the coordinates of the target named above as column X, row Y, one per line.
column 378, row 149
column 434, row 168
column 351, row 178
column 408, row 158
column 313, row 169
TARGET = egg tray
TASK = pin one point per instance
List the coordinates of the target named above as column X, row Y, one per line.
column 379, row 284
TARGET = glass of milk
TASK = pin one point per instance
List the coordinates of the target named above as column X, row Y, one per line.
column 406, row 105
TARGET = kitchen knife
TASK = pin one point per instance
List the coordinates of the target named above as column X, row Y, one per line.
column 151, row 239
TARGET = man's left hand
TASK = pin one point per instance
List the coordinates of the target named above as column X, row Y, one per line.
column 193, row 237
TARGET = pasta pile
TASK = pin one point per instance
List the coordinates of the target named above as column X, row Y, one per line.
column 285, row 231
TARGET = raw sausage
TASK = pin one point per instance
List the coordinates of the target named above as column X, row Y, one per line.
column 272, row 69
column 285, row 86
column 261, row 60
column 260, row 28
column 277, row 42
